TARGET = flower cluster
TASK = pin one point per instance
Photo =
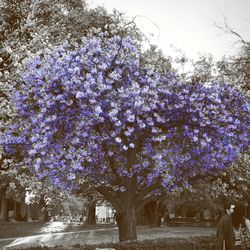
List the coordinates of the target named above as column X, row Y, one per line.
column 95, row 110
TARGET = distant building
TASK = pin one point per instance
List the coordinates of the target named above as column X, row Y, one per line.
column 104, row 213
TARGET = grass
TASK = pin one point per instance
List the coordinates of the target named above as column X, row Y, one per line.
column 21, row 229
column 149, row 238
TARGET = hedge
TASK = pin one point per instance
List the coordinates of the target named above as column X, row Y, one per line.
column 195, row 243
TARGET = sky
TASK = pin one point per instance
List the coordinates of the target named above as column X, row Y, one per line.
column 187, row 25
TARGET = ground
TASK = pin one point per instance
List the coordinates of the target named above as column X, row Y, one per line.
column 59, row 233
column 20, row 229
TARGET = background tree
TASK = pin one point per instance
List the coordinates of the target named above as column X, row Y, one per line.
column 235, row 69
column 32, row 26
column 14, row 182
column 231, row 184
column 95, row 110
column 28, row 27
column 85, row 190
column 203, row 70
column 234, row 181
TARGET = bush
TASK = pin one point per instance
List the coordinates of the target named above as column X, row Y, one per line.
column 195, row 243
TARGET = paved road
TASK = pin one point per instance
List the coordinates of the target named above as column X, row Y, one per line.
column 103, row 235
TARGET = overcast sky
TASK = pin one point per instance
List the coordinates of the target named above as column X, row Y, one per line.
column 187, row 24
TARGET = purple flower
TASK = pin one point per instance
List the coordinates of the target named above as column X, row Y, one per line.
column 102, row 111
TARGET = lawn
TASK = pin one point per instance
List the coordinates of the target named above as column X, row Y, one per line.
column 157, row 237
column 20, row 229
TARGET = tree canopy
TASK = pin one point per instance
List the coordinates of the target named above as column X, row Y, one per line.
column 97, row 110
column 28, row 27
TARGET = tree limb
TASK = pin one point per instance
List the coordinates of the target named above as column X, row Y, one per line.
column 226, row 28
column 110, row 197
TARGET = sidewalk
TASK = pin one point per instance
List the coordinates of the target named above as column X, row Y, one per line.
column 103, row 235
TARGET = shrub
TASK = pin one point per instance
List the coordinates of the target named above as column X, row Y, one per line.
column 195, row 243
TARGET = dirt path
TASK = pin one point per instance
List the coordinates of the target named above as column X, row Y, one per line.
column 103, row 235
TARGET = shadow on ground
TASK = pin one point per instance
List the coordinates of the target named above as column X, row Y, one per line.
column 21, row 229
column 102, row 235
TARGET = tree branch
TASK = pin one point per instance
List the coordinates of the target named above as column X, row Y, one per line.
column 146, row 191
column 143, row 203
column 110, row 196
column 226, row 28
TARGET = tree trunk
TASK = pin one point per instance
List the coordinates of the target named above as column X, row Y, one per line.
column 28, row 214
column 40, row 213
column 14, row 210
column 150, row 213
column 90, row 214
column 158, row 214
column 125, row 205
column 4, row 206
column 126, row 222
column 23, row 210
column 19, row 216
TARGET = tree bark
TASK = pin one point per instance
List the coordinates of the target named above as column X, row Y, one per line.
column 19, row 216
column 14, row 210
column 28, row 214
column 42, row 211
column 4, row 206
column 90, row 214
column 126, row 222
column 150, row 213
column 125, row 215
column 125, row 205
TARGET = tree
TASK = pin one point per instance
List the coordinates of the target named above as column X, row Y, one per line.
column 96, row 110
column 14, row 182
column 203, row 70
column 234, row 181
column 231, row 184
column 24, row 23
column 235, row 69
column 27, row 27
column 13, row 178
column 86, row 191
